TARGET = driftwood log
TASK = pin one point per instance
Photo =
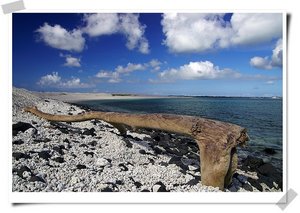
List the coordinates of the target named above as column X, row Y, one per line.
column 217, row 140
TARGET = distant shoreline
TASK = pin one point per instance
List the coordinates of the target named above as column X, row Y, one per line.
column 76, row 97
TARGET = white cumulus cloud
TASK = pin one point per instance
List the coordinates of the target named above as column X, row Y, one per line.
column 125, row 24
column 115, row 76
column 95, row 25
column 130, row 68
column 265, row 62
column 104, row 74
column 101, row 24
column 59, row 38
column 71, row 61
column 134, row 32
column 112, row 77
column 73, row 83
column 277, row 54
column 254, row 28
column 55, row 81
column 50, row 79
column 206, row 70
column 190, row 32
column 196, row 70
column 155, row 64
column 261, row 63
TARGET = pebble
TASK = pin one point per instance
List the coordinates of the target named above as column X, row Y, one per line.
column 91, row 154
column 193, row 182
column 102, row 162
column 92, row 143
column 267, row 169
column 255, row 184
column 159, row 187
column 242, row 178
column 19, row 155
column 107, row 189
column 21, row 171
column 26, row 174
column 30, row 132
column 59, row 159
column 155, row 188
column 141, row 151
column 193, row 167
column 233, row 189
column 35, row 178
column 79, row 166
column 18, row 142
column 60, row 187
column 138, row 184
column 89, row 132
column 248, row 187
column 20, row 127
column 252, row 163
column 44, row 154
column 74, row 180
column 236, row 182
column 123, row 167
column 59, row 149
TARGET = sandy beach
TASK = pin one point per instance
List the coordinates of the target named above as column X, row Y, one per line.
column 92, row 156
column 74, row 97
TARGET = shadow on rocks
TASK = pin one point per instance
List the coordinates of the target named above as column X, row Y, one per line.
column 267, row 174
column 183, row 151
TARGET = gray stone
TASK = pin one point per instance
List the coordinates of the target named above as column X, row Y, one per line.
column 44, row 154
column 59, row 159
column 80, row 166
column 19, row 155
column 60, row 187
column 193, row 182
column 193, row 167
column 155, row 188
column 74, row 180
column 102, row 162
column 26, row 174
column 35, row 178
column 18, row 142
column 233, row 189
column 21, row 127
column 242, row 178
column 236, row 182
column 248, row 187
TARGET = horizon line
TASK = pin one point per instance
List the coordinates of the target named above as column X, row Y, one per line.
column 165, row 95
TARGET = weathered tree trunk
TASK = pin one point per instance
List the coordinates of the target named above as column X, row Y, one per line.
column 217, row 140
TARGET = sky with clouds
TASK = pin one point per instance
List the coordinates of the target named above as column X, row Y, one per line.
column 236, row 54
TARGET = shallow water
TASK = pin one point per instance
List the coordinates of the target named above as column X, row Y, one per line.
column 261, row 116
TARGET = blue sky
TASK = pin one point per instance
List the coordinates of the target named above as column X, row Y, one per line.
column 165, row 54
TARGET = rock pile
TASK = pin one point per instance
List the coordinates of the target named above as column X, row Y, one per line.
column 94, row 156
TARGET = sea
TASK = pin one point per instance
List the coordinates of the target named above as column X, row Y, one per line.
column 262, row 117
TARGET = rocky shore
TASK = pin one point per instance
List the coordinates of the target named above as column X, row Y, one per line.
column 93, row 156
